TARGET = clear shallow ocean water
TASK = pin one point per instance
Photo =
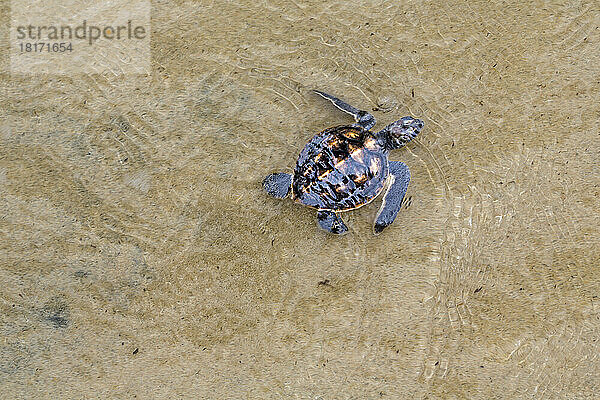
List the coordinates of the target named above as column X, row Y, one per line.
column 140, row 257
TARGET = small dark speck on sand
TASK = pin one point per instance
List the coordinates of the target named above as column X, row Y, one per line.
column 81, row 274
column 325, row 282
column 136, row 350
column 56, row 311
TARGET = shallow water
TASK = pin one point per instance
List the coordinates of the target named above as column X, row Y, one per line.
column 140, row 256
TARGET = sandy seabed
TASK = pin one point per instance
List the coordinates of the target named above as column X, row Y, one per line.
column 139, row 256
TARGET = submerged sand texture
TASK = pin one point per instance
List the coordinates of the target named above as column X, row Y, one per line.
column 139, row 257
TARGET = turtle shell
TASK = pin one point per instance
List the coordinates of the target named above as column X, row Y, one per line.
column 336, row 171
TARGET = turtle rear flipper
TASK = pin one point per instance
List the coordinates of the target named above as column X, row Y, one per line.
column 331, row 222
column 278, row 185
column 392, row 201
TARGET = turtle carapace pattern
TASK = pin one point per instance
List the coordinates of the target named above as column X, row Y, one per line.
column 335, row 171
column 346, row 167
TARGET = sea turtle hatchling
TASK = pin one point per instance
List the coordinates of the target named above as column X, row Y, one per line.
column 346, row 167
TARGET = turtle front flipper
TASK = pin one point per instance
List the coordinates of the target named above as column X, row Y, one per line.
column 362, row 118
column 392, row 201
column 331, row 222
column 278, row 185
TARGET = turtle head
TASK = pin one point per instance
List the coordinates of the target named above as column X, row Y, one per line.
column 400, row 132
